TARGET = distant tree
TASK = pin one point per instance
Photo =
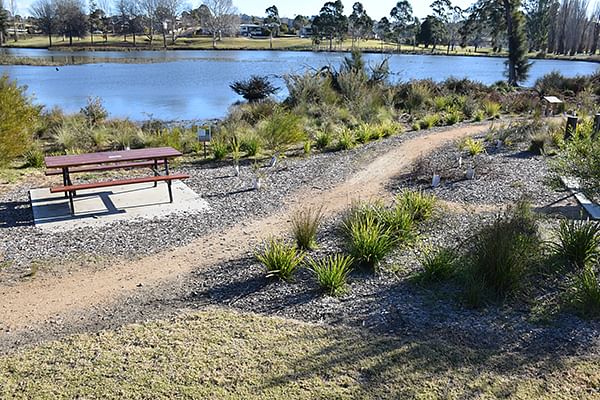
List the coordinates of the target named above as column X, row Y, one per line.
column 402, row 18
column 148, row 9
column 538, row 14
column 450, row 16
column 95, row 18
column 518, row 65
column 201, row 15
column 3, row 23
column 223, row 19
column 73, row 21
column 383, row 28
column 254, row 89
column 432, row 32
column 359, row 23
column 45, row 13
column 331, row 22
column 272, row 21
column 129, row 18
column 166, row 15
column 300, row 21
column 13, row 14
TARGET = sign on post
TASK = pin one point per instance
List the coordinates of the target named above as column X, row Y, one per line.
column 204, row 135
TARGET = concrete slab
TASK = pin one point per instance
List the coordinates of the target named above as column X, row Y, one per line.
column 98, row 207
column 574, row 187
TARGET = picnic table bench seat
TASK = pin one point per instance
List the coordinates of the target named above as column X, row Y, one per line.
column 109, row 167
column 131, row 181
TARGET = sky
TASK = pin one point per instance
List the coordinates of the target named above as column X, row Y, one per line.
column 290, row 8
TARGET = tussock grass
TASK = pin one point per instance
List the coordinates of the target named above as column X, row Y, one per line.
column 418, row 204
column 438, row 264
column 585, row 294
column 305, row 225
column 280, row 259
column 368, row 240
column 332, row 273
column 578, row 242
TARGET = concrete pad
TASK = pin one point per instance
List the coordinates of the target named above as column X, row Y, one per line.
column 574, row 187
column 99, row 207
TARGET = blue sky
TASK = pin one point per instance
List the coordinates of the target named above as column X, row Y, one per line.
column 290, row 8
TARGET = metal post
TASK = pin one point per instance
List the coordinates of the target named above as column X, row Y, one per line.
column 65, row 182
column 71, row 203
column 596, row 126
column 155, row 172
column 571, row 126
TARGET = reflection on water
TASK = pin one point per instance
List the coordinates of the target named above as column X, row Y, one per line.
column 195, row 84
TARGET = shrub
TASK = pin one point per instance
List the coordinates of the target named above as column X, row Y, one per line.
column 18, row 120
column 322, row 140
column 453, row 118
column 556, row 84
column 399, row 221
column 66, row 138
column 578, row 242
column 479, row 116
column 280, row 259
column 179, row 138
column 309, row 88
column 414, row 95
column 219, row 149
column 369, row 241
column 346, row 140
column 418, row 204
column 387, row 128
column 364, row 133
column 442, row 103
column 472, row 146
column 34, row 157
column 94, row 111
column 438, row 265
column 503, row 253
column 429, row 121
column 281, row 130
column 332, row 273
column 492, row 109
column 255, row 88
column 580, row 158
column 586, row 294
column 251, row 144
column 305, row 224
column 539, row 143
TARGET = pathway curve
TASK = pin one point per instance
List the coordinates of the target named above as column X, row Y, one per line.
column 48, row 297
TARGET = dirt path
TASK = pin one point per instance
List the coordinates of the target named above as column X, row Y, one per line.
column 47, row 297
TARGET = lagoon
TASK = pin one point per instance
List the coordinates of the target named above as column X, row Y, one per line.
column 194, row 85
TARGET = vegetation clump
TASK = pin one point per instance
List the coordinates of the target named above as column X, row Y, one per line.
column 280, row 259
column 305, row 224
column 332, row 273
column 254, row 89
column 438, row 264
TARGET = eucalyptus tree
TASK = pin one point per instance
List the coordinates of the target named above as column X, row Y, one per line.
column 13, row 14
column 451, row 16
column 273, row 22
column 148, row 9
column 129, row 18
column 46, row 15
column 3, row 22
column 360, row 24
column 402, row 19
column 539, row 15
column 96, row 18
column 432, row 32
column 331, row 22
column 383, row 29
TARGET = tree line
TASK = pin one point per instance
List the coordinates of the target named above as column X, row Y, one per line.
column 565, row 27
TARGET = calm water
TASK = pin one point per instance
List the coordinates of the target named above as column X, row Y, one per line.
column 195, row 84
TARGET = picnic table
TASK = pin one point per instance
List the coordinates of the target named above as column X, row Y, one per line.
column 153, row 158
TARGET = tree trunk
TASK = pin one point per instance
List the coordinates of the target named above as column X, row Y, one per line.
column 92, row 37
column 512, row 74
column 70, row 39
column 271, row 40
column 164, row 39
column 214, row 40
column 49, row 39
column 330, row 43
column 134, row 45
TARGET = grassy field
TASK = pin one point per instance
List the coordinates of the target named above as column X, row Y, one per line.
column 226, row 355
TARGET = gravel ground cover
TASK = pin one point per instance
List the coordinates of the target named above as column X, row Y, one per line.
column 232, row 200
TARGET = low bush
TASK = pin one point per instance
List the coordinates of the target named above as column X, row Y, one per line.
column 322, row 140
column 387, row 128
column 94, row 111
column 332, row 273
column 400, row 222
column 346, row 140
column 479, row 116
column 438, row 265
column 369, row 241
column 429, row 121
column 585, row 294
column 364, row 133
column 255, row 88
column 503, row 254
column 492, row 109
column 250, row 144
column 280, row 259
column 420, row 206
column 578, row 242
column 219, row 149
column 472, row 146
column 305, row 224
column 540, row 142
column 580, row 158
column 556, row 84
column 34, row 158
column 19, row 120
column 453, row 118
column 282, row 130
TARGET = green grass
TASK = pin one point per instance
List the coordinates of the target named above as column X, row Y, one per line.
column 332, row 273
column 578, row 242
column 305, row 225
column 226, row 355
column 280, row 259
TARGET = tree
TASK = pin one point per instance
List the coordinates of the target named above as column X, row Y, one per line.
column 331, row 22
column 3, row 23
column 72, row 19
column 95, row 19
column 300, row 21
column 148, row 8
column 44, row 11
column 254, row 89
column 383, row 30
column 359, row 23
column 13, row 14
column 129, row 18
column 517, row 63
column 402, row 17
column 538, row 14
column 223, row 18
column 272, row 21
column 450, row 16
column 432, row 32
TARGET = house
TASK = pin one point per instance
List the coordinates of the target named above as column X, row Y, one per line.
column 306, row 31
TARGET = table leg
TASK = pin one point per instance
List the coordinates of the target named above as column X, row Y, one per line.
column 155, row 171
column 168, row 182
column 65, row 182
column 71, row 204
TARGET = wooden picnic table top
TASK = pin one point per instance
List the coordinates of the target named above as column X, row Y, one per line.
column 106, row 157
